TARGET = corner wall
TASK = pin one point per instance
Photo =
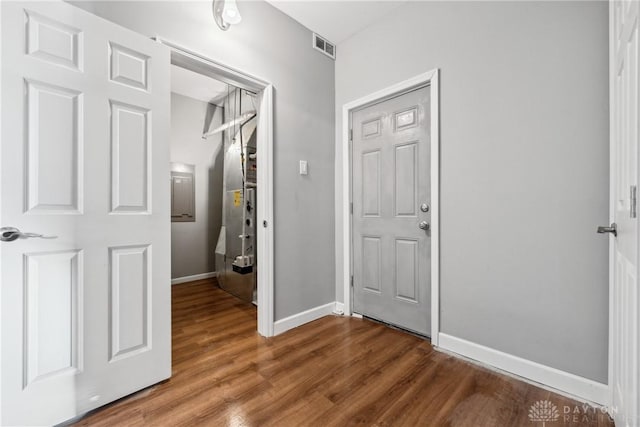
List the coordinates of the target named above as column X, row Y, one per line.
column 524, row 167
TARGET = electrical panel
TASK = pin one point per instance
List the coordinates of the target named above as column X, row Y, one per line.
column 182, row 197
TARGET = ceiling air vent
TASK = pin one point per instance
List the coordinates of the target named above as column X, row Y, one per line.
column 324, row 46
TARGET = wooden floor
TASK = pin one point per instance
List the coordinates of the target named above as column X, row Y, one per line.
column 335, row 371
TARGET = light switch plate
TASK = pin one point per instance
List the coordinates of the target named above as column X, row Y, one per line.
column 303, row 167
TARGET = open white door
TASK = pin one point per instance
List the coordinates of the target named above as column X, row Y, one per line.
column 84, row 157
column 624, row 302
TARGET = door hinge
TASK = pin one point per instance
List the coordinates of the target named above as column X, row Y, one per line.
column 352, row 281
column 350, row 135
column 633, row 211
column 351, row 208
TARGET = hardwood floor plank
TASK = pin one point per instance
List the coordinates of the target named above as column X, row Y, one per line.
column 336, row 371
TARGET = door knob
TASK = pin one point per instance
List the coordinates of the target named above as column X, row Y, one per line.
column 9, row 234
column 424, row 225
column 613, row 229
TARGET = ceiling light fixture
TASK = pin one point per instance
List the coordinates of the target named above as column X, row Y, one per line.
column 226, row 13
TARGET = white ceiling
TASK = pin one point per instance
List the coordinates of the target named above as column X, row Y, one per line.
column 196, row 86
column 336, row 20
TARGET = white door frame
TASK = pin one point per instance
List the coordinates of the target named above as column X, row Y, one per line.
column 429, row 78
column 612, row 210
column 193, row 61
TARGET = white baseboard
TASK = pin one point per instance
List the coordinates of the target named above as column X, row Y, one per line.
column 186, row 279
column 299, row 319
column 558, row 381
column 339, row 309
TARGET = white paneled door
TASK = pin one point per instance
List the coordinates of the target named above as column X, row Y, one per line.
column 391, row 211
column 624, row 179
column 85, row 310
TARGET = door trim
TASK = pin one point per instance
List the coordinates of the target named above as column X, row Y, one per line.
column 612, row 211
column 193, row 61
column 430, row 78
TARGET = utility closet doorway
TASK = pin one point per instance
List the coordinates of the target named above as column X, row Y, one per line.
column 247, row 103
column 213, row 148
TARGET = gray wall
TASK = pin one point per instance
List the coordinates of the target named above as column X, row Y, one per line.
column 273, row 46
column 524, row 166
column 193, row 244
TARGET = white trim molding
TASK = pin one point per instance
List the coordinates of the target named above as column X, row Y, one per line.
column 430, row 79
column 265, row 241
column 612, row 204
column 301, row 318
column 559, row 381
column 192, row 278
column 193, row 61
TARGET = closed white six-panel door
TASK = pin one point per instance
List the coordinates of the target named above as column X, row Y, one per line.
column 85, row 315
column 391, row 198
